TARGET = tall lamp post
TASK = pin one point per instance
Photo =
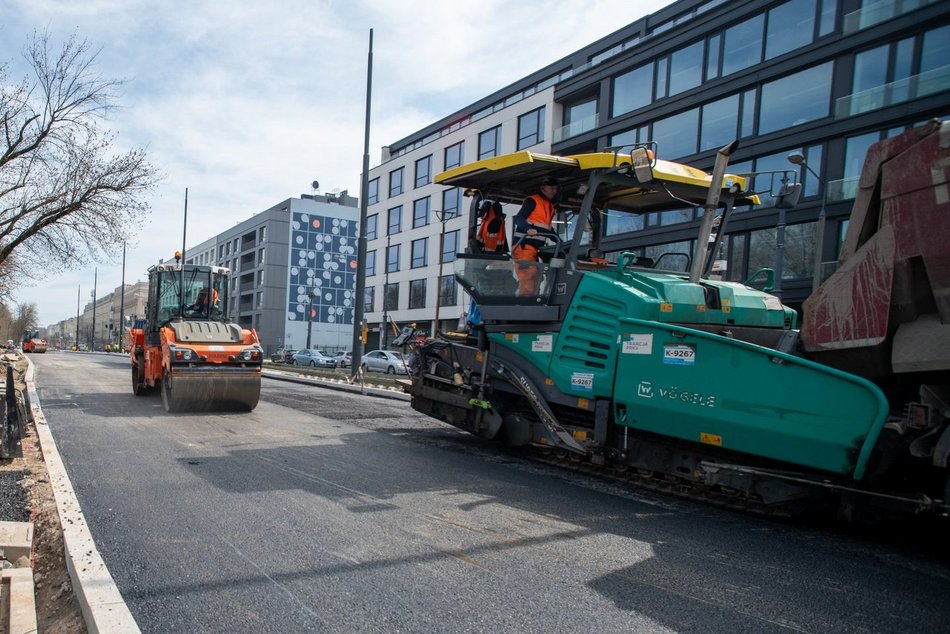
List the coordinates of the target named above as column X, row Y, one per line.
column 310, row 314
column 443, row 216
column 797, row 158
column 95, row 283
column 78, row 301
column 384, row 325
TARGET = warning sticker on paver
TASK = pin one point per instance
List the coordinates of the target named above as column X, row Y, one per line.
column 544, row 343
column 638, row 344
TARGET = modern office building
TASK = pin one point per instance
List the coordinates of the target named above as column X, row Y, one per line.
column 293, row 271
column 820, row 80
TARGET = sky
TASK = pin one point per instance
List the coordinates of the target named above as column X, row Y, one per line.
column 247, row 103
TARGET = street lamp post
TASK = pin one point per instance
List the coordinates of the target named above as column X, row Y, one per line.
column 443, row 216
column 797, row 158
column 310, row 314
column 384, row 325
column 95, row 283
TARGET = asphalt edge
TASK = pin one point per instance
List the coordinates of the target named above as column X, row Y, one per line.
column 103, row 608
column 335, row 384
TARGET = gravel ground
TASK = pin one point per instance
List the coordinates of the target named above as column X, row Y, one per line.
column 13, row 499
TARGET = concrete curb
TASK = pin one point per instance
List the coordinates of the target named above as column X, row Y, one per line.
column 18, row 601
column 102, row 605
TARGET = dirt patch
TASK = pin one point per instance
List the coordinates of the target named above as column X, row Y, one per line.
column 57, row 609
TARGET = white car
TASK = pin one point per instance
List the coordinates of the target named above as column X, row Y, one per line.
column 384, row 361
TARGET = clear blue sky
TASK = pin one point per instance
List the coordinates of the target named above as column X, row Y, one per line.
column 246, row 103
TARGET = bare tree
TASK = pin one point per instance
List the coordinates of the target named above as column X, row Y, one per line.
column 26, row 317
column 66, row 196
column 6, row 324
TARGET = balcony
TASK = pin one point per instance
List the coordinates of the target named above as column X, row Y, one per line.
column 576, row 127
column 879, row 12
column 929, row 83
column 844, row 189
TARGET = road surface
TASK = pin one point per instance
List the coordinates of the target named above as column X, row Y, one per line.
column 334, row 512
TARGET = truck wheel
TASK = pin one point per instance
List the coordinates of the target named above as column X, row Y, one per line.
column 138, row 378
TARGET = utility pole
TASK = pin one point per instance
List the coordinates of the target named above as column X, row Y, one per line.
column 78, row 302
column 122, row 300
column 95, row 282
column 384, row 325
column 310, row 314
column 360, row 299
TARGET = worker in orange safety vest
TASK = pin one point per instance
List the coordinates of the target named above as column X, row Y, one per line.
column 491, row 231
column 533, row 228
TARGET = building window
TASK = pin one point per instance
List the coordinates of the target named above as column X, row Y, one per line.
column 748, row 114
column 632, row 90
column 686, row 68
column 742, row 45
column 790, row 26
column 450, row 246
column 417, row 294
column 420, row 212
column 395, row 182
column 424, row 171
column 856, row 148
column 451, row 202
column 448, row 291
column 372, row 192
column 371, row 263
column 795, row 99
column 531, row 128
column 260, row 278
column 392, row 258
column 258, row 299
column 394, row 222
column 420, row 250
column 798, row 257
column 580, row 117
column 369, row 298
column 454, row 155
column 371, row 222
column 260, row 257
column 675, row 136
column 390, row 298
column 720, row 122
column 261, row 233
column 661, row 74
column 713, row 46
column 489, row 143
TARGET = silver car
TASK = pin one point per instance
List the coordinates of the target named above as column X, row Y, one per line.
column 313, row 359
column 344, row 359
column 384, row 361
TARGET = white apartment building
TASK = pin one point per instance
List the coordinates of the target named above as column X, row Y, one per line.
column 415, row 227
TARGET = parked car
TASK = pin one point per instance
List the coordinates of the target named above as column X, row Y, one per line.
column 285, row 355
column 384, row 361
column 313, row 359
column 344, row 359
